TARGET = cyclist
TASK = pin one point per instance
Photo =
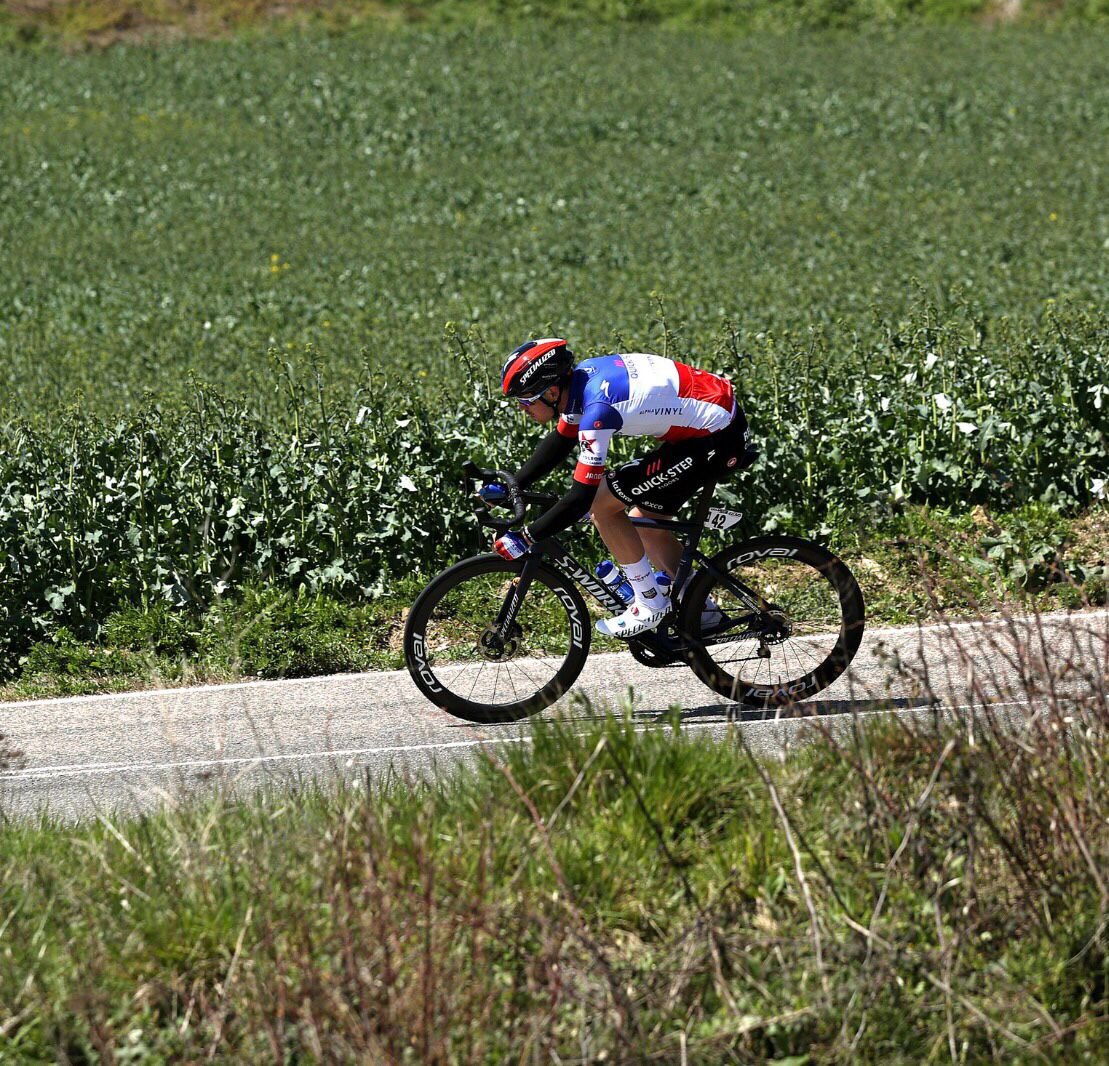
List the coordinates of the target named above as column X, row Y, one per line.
column 693, row 413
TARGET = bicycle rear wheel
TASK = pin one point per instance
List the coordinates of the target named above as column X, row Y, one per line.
column 772, row 658
column 459, row 663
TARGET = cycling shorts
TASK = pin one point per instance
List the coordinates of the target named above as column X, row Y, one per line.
column 668, row 477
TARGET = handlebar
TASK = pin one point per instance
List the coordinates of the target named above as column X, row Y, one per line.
column 518, row 498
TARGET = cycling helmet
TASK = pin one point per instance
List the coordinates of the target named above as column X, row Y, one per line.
column 535, row 366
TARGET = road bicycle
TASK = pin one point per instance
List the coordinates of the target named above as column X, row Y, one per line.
column 766, row 622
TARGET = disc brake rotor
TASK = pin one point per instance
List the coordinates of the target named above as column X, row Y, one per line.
column 492, row 648
column 775, row 626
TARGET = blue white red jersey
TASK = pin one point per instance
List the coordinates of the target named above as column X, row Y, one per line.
column 640, row 395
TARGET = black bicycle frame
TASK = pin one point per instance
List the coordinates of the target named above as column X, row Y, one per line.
column 689, row 533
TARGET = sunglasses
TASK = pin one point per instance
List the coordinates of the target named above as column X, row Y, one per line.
column 527, row 401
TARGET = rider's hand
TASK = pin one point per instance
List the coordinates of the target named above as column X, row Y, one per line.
column 494, row 492
column 512, row 545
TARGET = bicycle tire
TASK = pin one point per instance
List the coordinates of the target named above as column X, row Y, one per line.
column 421, row 659
column 794, row 689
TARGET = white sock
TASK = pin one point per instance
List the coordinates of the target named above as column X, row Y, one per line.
column 642, row 580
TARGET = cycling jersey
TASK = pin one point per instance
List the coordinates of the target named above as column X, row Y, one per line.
column 640, row 395
column 693, row 413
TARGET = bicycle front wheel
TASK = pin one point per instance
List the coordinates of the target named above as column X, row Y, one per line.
column 459, row 662
column 799, row 645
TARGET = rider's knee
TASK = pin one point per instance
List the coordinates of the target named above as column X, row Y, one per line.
column 638, row 512
column 601, row 514
column 605, row 504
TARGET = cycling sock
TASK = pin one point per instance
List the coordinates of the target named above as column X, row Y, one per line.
column 642, row 580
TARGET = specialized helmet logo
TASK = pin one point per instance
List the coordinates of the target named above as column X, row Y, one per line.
column 535, row 366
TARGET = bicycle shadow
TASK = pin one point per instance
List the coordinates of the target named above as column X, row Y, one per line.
column 732, row 712
column 810, row 709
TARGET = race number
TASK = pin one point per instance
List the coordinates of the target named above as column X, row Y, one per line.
column 718, row 518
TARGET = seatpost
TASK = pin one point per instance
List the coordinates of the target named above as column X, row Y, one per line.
column 704, row 504
column 700, row 513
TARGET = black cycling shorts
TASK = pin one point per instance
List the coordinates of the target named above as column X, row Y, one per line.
column 666, row 478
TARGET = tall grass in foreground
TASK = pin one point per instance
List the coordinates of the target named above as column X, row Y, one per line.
column 926, row 888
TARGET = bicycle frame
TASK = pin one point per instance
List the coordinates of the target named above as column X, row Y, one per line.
column 689, row 533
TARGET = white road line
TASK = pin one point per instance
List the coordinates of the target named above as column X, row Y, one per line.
column 45, row 773
column 78, row 770
column 1026, row 620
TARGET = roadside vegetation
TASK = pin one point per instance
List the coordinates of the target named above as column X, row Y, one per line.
column 97, row 23
column 212, row 542
column 230, row 405
column 918, row 889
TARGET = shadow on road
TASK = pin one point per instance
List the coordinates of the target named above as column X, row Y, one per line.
column 811, row 709
column 731, row 712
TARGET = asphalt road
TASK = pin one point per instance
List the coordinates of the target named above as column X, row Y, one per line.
column 100, row 753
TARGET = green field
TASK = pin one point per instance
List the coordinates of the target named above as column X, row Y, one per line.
column 178, row 211
column 76, row 24
column 254, row 289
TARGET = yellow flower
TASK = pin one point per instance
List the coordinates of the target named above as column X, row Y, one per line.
column 1053, row 217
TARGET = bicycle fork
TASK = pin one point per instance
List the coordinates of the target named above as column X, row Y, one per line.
column 498, row 635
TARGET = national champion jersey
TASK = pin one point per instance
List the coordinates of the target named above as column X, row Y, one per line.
column 640, row 395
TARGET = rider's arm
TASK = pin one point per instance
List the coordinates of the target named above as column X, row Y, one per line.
column 588, row 473
column 564, row 512
column 551, row 451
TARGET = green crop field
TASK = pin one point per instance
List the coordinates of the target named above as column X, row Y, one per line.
column 254, row 290
column 178, row 211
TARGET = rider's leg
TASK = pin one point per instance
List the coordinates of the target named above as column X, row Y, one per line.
column 651, row 604
column 612, row 522
column 663, row 548
column 627, row 547
column 627, row 542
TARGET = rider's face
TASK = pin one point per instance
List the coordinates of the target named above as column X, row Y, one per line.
column 541, row 412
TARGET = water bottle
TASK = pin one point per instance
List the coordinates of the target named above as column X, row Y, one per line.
column 613, row 579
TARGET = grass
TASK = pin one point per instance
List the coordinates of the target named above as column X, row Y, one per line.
column 596, row 893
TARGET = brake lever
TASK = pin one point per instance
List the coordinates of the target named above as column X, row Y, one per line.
column 481, row 510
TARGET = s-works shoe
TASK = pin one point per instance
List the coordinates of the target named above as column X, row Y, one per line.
column 638, row 618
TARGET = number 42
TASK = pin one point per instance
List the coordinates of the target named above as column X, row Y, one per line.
column 718, row 518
